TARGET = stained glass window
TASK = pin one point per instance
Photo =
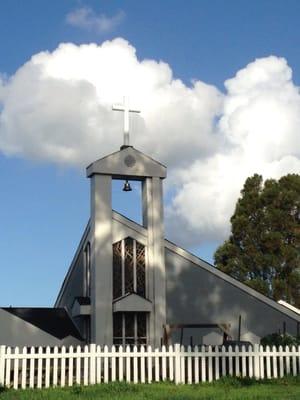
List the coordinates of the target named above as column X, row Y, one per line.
column 140, row 270
column 129, row 265
column 117, row 270
column 129, row 268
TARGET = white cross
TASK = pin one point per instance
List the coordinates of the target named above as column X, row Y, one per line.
column 125, row 107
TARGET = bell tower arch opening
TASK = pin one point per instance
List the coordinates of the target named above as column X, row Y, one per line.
column 127, row 199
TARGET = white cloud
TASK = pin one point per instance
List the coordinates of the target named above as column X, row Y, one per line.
column 57, row 107
column 86, row 18
column 260, row 130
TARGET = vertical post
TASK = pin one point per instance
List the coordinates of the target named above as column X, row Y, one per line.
column 2, row 365
column 153, row 221
column 101, row 260
column 177, row 349
column 256, row 361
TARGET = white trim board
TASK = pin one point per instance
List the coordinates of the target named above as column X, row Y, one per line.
column 289, row 306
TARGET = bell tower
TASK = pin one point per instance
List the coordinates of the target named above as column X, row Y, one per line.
column 128, row 164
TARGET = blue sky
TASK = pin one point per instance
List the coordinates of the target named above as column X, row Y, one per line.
column 44, row 204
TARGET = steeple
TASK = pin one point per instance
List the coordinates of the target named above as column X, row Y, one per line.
column 128, row 164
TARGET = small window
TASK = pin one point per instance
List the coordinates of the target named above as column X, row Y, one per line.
column 130, row 329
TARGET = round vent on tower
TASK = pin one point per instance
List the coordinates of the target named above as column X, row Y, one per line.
column 129, row 161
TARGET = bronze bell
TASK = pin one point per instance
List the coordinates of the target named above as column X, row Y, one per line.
column 127, row 187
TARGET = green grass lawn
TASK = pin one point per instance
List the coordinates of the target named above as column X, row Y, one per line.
column 226, row 389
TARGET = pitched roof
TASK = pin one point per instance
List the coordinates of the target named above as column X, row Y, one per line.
column 55, row 321
column 127, row 162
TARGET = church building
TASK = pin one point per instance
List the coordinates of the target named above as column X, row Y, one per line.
column 127, row 284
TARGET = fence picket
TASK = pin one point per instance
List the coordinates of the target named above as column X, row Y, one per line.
column 99, row 364
column 281, row 367
column 237, row 361
column 2, row 365
column 223, row 350
column 163, row 364
column 156, row 365
column 230, row 361
column 78, row 365
column 177, row 364
column 149, row 364
column 8, row 367
column 189, row 365
column 294, row 365
column 63, row 367
column 262, row 362
column 47, row 370
column 121, row 364
column 135, row 365
column 92, row 369
column 287, row 361
column 210, row 364
column 274, row 358
column 196, row 365
column 244, row 369
column 16, row 369
column 128, row 372
column 23, row 369
column 217, row 363
column 171, row 363
column 113, row 364
column 268, row 362
column 71, row 361
column 203, row 364
column 250, row 361
column 31, row 368
column 182, row 363
column 40, row 368
column 55, row 364
column 142, row 364
column 105, row 365
column 85, row 366
column 256, row 362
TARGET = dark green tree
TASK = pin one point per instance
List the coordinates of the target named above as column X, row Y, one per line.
column 263, row 250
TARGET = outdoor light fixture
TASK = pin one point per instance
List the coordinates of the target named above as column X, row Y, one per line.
column 127, row 187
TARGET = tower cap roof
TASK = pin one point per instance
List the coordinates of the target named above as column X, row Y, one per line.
column 127, row 163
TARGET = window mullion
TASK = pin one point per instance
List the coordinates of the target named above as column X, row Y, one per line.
column 123, row 266
column 134, row 267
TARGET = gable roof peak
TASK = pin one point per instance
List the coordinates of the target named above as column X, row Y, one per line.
column 129, row 163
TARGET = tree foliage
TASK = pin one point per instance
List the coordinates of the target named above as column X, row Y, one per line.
column 277, row 339
column 263, row 249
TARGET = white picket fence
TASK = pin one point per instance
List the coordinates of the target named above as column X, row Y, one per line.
column 45, row 367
